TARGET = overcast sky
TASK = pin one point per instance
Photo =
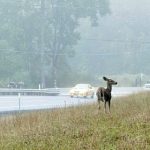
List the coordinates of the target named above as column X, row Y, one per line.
column 131, row 7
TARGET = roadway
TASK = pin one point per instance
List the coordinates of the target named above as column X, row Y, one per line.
column 15, row 103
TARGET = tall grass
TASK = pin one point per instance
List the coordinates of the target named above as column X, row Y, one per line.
column 82, row 127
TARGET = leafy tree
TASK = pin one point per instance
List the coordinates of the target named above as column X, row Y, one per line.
column 38, row 36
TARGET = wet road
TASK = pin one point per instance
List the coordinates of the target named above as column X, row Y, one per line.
column 12, row 103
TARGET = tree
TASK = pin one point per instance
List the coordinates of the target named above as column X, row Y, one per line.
column 63, row 34
column 41, row 34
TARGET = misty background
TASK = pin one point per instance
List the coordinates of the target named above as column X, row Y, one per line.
column 53, row 42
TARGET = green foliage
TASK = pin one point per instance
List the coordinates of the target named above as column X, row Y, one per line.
column 37, row 36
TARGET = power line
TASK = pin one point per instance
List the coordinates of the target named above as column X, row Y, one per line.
column 117, row 41
column 78, row 54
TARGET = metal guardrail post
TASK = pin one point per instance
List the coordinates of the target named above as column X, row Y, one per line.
column 19, row 98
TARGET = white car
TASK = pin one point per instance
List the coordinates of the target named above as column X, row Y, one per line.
column 147, row 85
column 82, row 90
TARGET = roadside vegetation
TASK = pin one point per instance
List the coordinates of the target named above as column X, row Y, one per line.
column 82, row 127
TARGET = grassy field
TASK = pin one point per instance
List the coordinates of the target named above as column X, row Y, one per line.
column 83, row 127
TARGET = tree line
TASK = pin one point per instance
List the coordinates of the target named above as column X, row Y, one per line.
column 37, row 38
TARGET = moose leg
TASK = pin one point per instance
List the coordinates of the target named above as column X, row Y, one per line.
column 105, row 106
column 102, row 96
column 99, row 104
column 98, row 99
column 109, row 106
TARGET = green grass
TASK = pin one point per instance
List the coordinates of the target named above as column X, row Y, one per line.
column 83, row 127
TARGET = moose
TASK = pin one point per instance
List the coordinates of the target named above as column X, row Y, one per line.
column 104, row 94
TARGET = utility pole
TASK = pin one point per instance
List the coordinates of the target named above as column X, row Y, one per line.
column 54, row 50
column 42, row 43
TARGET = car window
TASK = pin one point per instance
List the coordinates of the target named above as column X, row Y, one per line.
column 81, row 86
column 90, row 86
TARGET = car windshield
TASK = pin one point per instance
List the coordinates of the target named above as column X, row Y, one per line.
column 81, row 86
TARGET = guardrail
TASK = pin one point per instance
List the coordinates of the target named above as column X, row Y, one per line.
column 117, row 91
column 39, row 92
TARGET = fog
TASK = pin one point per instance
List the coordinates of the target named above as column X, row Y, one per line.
column 62, row 43
column 119, row 46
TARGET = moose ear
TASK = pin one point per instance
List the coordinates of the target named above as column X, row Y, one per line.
column 105, row 78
